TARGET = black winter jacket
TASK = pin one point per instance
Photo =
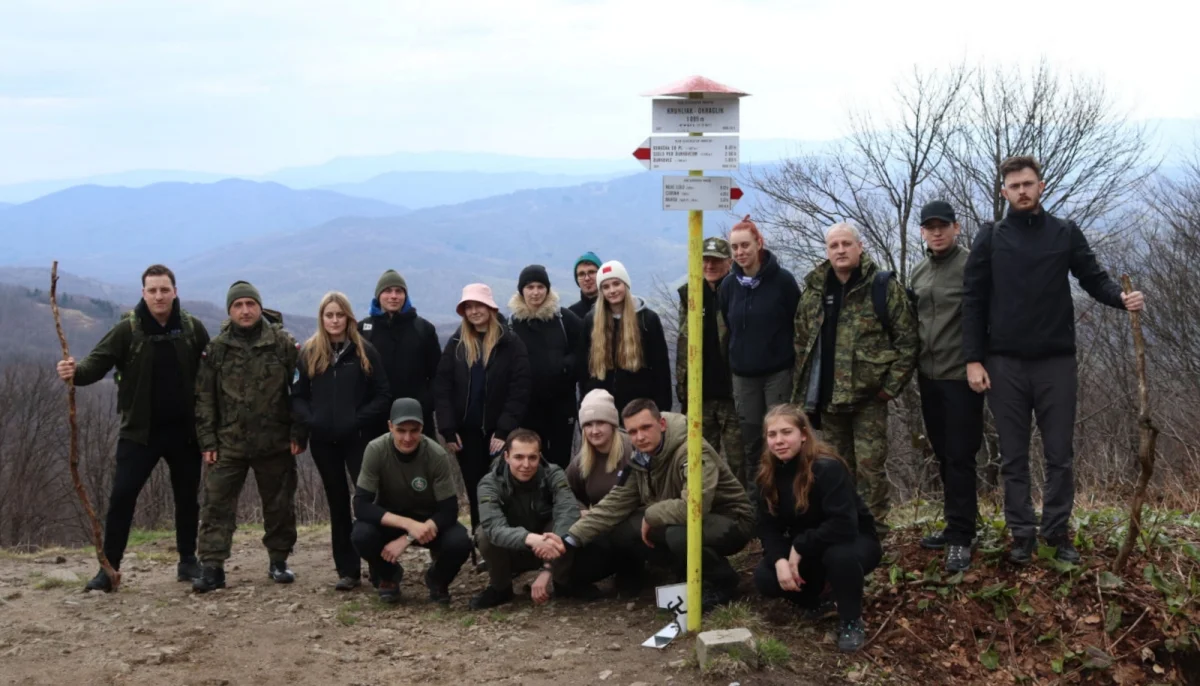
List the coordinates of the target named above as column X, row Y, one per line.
column 552, row 338
column 584, row 307
column 1017, row 299
column 835, row 514
column 652, row 381
column 342, row 402
column 761, row 320
column 506, row 391
column 409, row 348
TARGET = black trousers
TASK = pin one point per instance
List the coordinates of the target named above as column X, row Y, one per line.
column 1045, row 388
column 844, row 566
column 135, row 464
column 555, row 426
column 473, row 461
column 954, row 423
column 449, row 550
column 722, row 537
column 334, row 460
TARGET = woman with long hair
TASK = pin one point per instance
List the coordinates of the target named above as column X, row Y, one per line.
column 604, row 451
column 813, row 525
column 340, row 395
column 758, row 301
column 624, row 348
column 482, row 388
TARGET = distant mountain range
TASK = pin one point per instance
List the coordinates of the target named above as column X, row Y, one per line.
column 418, row 189
column 108, row 233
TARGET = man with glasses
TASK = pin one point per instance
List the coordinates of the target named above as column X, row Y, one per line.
column 953, row 413
column 585, row 277
column 1019, row 344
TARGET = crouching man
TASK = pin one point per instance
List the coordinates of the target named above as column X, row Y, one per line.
column 647, row 510
column 405, row 496
column 525, row 508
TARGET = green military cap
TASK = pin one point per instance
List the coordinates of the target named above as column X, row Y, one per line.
column 717, row 247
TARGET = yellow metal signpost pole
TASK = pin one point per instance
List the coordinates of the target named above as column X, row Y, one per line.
column 695, row 402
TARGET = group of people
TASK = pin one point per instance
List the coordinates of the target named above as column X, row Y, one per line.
column 782, row 360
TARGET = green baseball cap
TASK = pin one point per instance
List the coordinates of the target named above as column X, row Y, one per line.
column 406, row 410
column 717, row 247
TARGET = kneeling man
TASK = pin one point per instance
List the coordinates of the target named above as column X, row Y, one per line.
column 405, row 496
column 647, row 510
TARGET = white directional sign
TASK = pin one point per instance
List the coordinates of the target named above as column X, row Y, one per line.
column 706, row 116
column 700, row 193
column 684, row 153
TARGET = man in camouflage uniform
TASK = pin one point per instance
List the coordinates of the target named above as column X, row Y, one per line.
column 849, row 363
column 244, row 422
column 720, row 419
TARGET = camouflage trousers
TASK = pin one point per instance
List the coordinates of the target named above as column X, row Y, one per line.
column 861, row 438
column 720, row 426
column 275, row 476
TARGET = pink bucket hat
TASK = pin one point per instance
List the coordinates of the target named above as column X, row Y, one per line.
column 476, row 292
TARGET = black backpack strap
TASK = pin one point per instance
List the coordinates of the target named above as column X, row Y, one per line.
column 879, row 298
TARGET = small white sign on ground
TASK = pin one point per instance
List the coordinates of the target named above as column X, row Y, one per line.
column 706, row 116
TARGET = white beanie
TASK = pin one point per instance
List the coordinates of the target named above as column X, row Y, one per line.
column 613, row 270
column 598, row 405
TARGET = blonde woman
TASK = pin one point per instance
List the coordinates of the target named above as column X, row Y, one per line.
column 340, row 394
column 481, row 390
column 624, row 348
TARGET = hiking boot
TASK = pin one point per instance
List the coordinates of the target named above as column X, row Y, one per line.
column 389, row 592
column 280, row 573
column 628, row 582
column 100, row 582
column 491, row 597
column 348, row 583
column 1064, row 549
column 958, row 558
column 585, row 592
column 1022, row 550
column 934, row 541
column 188, row 569
column 211, row 578
column 439, row 593
column 852, row 636
column 826, row 608
column 712, row 597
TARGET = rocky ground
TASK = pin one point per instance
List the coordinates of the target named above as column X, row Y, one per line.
column 155, row 631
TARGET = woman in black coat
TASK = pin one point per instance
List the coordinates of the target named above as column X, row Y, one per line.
column 813, row 525
column 339, row 396
column 624, row 348
column 482, row 388
column 551, row 335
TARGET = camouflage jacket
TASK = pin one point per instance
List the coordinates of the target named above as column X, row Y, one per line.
column 867, row 359
column 242, row 403
column 659, row 484
column 710, row 308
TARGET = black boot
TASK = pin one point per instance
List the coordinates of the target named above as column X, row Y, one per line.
column 438, row 592
column 100, row 582
column 852, row 636
column 280, row 573
column 1022, row 550
column 211, row 578
column 188, row 569
column 491, row 597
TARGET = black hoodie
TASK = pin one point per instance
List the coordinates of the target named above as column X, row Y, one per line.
column 341, row 403
column 761, row 320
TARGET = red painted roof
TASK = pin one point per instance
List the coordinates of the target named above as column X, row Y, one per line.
column 697, row 84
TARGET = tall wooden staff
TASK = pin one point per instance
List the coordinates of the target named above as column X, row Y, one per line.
column 1147, row 437
column 97, row 538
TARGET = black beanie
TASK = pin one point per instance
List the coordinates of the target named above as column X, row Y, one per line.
column 534, row 273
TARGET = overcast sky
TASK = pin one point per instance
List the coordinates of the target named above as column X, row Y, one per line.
column 247, row 87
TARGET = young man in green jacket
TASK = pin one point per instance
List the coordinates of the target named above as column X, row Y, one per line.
column 525, row 508
column 156, row 351
column 953, row 413
column 647, row 510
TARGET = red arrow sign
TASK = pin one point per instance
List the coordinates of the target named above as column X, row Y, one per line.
column 642, row 154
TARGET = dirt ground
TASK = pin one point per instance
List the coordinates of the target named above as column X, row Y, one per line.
column 155, row 631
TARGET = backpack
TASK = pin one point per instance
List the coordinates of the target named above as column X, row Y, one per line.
column 138, row 337
column 879, row 298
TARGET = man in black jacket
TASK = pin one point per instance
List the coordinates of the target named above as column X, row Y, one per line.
column 407, row 343
column 585, row 277
column 156, row 351
column 1019, row 344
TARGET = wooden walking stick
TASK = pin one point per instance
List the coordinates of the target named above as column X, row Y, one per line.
column 97, row 538
column 1147, row 437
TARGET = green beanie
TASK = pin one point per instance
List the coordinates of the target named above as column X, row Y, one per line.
column 241, row 289
column 391, row 278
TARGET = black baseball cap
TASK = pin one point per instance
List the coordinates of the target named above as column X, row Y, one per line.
column 937, row 209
